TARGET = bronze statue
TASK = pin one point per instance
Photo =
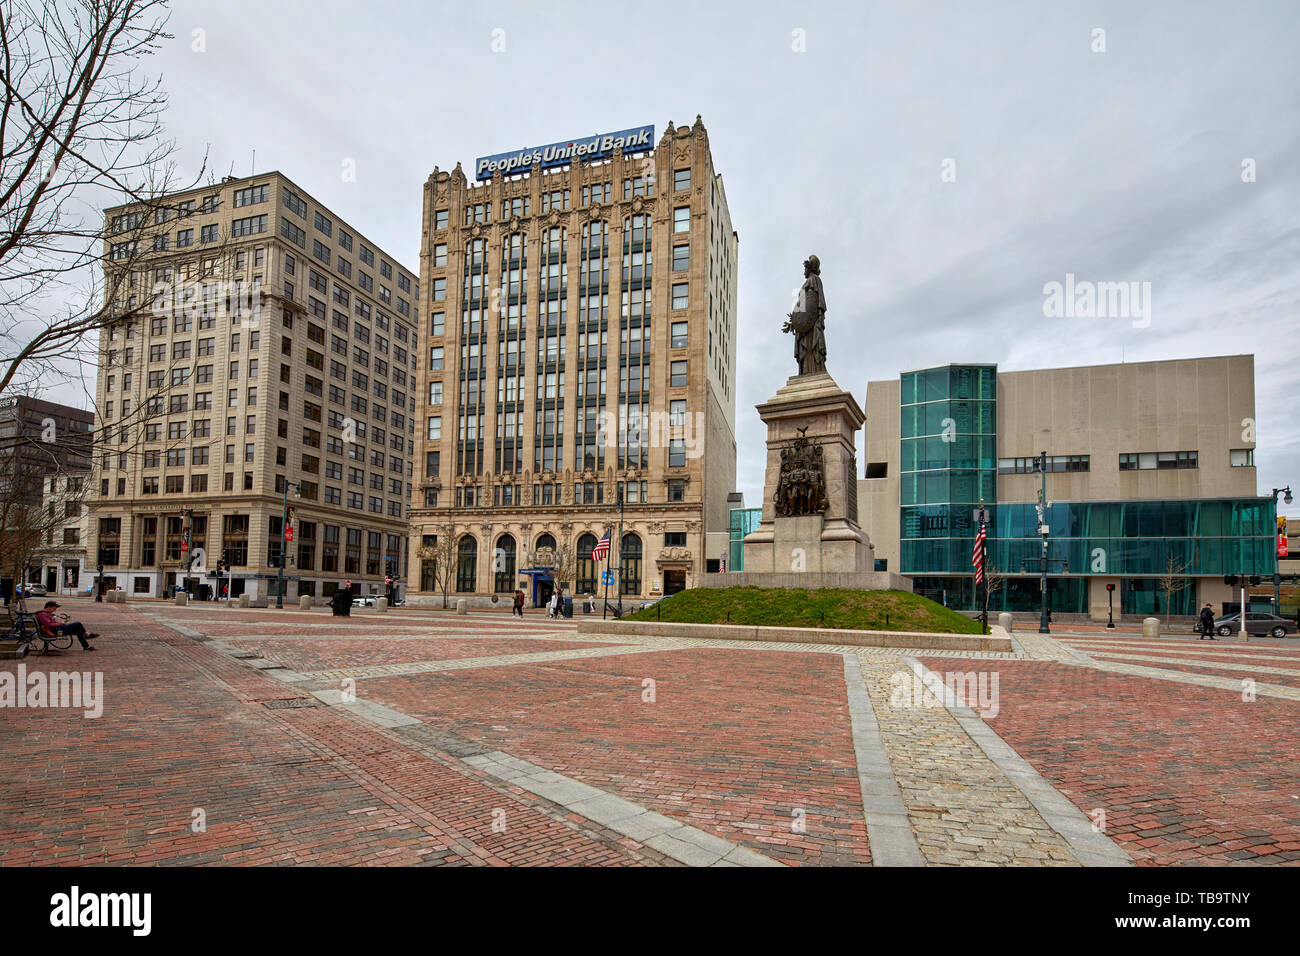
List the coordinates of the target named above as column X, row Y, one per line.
column 801, row 484
column 808, row 321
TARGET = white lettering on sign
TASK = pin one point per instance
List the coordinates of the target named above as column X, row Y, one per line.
column 557, row 154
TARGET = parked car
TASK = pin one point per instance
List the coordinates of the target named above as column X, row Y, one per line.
column 363, row 600
column 1257, row 623
column 32, row 590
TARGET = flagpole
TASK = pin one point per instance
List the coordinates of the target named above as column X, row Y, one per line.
column 605, row 609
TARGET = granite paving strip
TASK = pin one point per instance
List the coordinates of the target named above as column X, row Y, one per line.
column 680, row 841
column 1247, row 665
column 1089, row 846
column 469, row 663
column 1181, row 648
column 889, row 833
column 963, row 808
column 1203, row 680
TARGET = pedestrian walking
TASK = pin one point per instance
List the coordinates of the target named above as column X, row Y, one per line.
column 591, row 603
column 519, row 604
column 1207, row 623
column 554, row 604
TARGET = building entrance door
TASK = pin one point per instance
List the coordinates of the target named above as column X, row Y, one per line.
column 674, row 581
column 543, row 588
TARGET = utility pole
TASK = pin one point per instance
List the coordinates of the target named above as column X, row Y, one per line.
column 285, row 537
column 1281, row 536
column 1043, row 530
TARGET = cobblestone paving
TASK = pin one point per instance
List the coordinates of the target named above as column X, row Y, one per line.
column 478, row 740
column 1183, row 773
column 963, row 808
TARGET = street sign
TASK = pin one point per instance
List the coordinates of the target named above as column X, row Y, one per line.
column 607, row 578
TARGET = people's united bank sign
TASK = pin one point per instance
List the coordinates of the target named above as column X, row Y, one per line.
column 636, row 140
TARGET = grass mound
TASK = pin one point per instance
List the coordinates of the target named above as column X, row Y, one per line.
column 800, row 607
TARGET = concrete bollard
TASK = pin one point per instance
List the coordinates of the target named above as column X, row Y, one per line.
column 304, row 602
column 460, row 606
column 1005, row 621
column 381, row 604
column 182, row 599
column 1150, row 627
column 245, row 599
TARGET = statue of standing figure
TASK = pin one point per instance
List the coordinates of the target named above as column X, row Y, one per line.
column 808, row 321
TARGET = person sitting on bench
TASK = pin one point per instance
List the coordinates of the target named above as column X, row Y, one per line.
column 46, row 620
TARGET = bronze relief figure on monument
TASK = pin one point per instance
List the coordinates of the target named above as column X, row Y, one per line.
column 808, row 321
column 801, row 488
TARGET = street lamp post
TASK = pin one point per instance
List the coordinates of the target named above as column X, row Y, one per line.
column 284, row 525
column 1110, row 608
column 1277, row 571
column 620, row 553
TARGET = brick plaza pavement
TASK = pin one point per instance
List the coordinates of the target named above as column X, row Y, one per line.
column 414, row 737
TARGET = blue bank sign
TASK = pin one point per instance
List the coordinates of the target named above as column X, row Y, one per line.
column 636, row 140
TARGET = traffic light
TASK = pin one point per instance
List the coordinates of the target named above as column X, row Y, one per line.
column 1230, row 579
column 390, row 568
column 1110, row 587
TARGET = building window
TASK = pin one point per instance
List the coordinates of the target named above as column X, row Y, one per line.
column 677, row 490
column 208, row 233
column 677, row 374
column 435, row 358
column 503, row 565
column 1242, row 458
column 629, row 559
column 681, row 179
column 682, row 219
column 435, row 428
column 466, row 564
column 681, row 258
column 440, row 219
column 681, row 295
column 587, row 568
column 679, row 335
column 440, row 254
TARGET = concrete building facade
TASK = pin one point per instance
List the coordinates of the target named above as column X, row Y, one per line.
column 578, row 348
column 1150, row 482
column 276, row 353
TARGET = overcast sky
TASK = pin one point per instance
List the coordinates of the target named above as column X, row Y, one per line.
column 831, row 124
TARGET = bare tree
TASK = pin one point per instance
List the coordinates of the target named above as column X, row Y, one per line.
column 29, row 519
column 80, row 128
column 1173, row 580
column 443, row 555
column 994, row 581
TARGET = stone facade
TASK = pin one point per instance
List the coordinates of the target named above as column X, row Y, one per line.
column 536, row 348
column 314, row 387
column 815, row 409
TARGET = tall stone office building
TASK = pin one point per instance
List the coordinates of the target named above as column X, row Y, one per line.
column 211, row 408
column 577, row 343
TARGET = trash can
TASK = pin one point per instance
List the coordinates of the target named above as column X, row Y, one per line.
column 341, row 603
column 568, row 607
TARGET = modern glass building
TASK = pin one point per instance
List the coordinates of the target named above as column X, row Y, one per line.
column 1150, row 483
column 743, row 521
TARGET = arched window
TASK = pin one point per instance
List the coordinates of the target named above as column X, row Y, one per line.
column 467, row 564
column 588, row 570
column 546, row 541
column 503, row 564
column 629, row 563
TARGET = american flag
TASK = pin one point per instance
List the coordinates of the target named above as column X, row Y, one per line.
column 601, row 550
column 977, row 556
